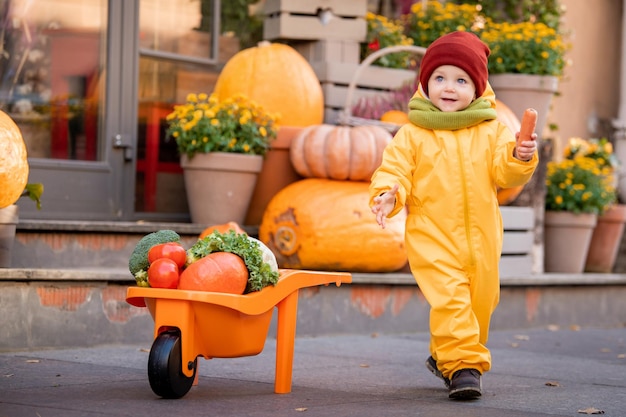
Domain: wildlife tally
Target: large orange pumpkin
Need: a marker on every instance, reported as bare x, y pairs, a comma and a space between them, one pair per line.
323, 224
338, 152
278, 78
506, 116
13, 161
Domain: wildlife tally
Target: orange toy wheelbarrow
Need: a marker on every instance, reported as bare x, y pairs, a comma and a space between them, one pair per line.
188, 324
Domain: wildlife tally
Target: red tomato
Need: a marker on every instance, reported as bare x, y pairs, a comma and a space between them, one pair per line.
170, 250
163, 273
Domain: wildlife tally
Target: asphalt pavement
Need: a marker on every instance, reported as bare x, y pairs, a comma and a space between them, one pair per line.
538, 372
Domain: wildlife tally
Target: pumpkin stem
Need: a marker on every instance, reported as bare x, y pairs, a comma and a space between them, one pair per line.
263, 44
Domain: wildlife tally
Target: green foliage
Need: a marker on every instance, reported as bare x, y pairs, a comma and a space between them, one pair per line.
541, 11
34, 192
138, 262
237, 124
235, 17
261, 273
519, 40
524, 48
599, 149
425, 25
381, 33
578, 185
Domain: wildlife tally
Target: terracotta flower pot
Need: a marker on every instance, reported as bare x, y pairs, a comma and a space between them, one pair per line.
219, 185
8, 222
567, 238
277, 173
606, 239
521, 91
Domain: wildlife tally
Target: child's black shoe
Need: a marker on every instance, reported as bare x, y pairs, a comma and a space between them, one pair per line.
431, 364
465, 385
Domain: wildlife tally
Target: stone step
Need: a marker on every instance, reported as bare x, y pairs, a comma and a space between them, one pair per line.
81, 244
82, 307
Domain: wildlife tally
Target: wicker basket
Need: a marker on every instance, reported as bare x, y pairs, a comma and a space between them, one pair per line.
345, 117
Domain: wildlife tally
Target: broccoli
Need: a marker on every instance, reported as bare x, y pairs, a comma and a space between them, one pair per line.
138, 263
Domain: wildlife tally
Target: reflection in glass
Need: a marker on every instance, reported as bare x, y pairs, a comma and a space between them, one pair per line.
51, 74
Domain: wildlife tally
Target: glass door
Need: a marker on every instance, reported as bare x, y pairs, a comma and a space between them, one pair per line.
89, 83
178, 48
53, 74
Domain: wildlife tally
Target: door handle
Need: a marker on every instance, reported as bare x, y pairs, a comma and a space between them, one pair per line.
123, 142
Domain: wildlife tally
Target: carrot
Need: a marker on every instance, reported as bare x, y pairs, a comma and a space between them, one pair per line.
529, 122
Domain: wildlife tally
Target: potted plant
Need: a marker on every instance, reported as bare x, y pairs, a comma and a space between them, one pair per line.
527, 52
9, 217
577, 192
381, 33
221, 144
607, 235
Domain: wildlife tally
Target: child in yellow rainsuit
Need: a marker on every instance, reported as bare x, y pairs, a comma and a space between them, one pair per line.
445, 167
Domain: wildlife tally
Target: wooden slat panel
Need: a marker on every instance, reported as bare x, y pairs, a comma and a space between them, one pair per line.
353, 8
515, 266
286, 26
517, 242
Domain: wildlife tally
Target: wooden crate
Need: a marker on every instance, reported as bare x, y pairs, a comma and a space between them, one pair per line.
329, 50
517, 247
335, 78
303, 19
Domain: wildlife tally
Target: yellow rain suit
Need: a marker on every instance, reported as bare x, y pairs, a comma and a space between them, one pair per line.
448, 181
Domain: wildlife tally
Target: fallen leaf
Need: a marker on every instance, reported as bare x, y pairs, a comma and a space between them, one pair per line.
605, 350
553, 384
8, 375
621, 356
144, 350
364, 365
574, 327
553, 327
32, 361
301, 409
374, 335
514, 345
591, 410
521, 337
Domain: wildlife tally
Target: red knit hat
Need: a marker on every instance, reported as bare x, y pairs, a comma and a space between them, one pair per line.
461, 49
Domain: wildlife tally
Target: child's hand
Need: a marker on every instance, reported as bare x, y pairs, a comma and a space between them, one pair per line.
526, 138
525, 149
383, 204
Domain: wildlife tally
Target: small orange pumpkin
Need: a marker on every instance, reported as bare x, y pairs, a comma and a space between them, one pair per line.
277, 77
338, 152
216, 272
398, 117
222, 228
323, 224
506, 116
13, 161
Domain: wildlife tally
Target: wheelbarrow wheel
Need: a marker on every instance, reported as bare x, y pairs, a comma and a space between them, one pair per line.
164, 367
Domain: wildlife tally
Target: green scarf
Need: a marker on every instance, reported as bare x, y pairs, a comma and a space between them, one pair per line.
424, 113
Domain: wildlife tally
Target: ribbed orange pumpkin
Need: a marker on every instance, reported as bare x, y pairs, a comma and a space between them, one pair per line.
13, 161
278, 78
338, 152
323, 224
506, 116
